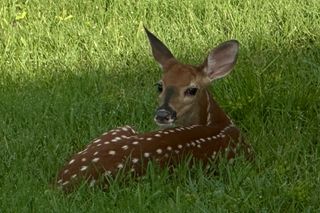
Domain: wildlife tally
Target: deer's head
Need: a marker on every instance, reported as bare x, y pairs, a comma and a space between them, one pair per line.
182, 88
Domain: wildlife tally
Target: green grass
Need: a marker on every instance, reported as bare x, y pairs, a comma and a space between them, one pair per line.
71, 69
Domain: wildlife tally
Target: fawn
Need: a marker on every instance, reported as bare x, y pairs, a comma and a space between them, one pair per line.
201, 130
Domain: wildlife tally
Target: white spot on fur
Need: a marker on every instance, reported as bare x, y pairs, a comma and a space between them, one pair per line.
65, 183
120, 166
135, 160
94, 160
180, 146
157, 135
135, 142
72, 161
146, 154
112, 152
125, 147
169, 148
83, 159
97, 141
95, 153
73, 176
159, 151
83, 168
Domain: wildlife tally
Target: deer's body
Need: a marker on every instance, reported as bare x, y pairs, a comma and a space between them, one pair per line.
204, 131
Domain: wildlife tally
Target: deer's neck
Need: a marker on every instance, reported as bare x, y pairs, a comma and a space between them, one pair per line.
207, 113
210, 113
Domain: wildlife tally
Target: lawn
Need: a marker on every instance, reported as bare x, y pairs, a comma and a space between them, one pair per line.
69, 70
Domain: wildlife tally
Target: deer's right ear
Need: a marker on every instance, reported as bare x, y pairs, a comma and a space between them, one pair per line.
221, 60
160, 52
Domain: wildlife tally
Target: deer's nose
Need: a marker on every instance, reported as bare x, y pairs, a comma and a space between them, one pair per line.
165, 116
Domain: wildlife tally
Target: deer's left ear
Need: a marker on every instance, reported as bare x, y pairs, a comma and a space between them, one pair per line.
221, 60
160, 52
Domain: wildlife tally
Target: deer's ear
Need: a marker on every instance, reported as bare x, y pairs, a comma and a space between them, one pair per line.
221, 60
160, 52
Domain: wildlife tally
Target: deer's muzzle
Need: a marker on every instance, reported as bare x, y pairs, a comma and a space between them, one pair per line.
165, 116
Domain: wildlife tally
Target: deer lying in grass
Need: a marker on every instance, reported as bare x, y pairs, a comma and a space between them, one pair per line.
202, 129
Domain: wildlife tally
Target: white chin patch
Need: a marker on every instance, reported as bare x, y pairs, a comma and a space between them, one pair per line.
165, 126
168, 124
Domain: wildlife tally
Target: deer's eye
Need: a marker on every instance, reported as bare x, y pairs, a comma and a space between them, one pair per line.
191, 91
159, 87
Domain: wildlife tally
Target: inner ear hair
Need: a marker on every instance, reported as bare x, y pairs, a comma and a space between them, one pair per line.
221, 60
